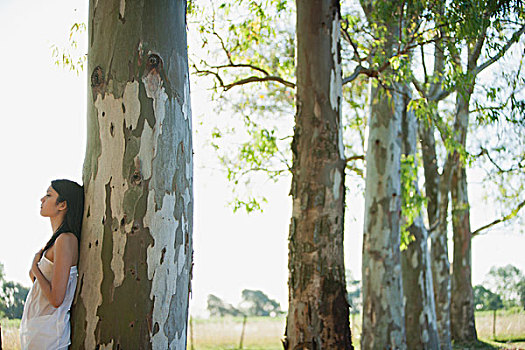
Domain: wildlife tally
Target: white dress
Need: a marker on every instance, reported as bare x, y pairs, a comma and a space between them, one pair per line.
43, 326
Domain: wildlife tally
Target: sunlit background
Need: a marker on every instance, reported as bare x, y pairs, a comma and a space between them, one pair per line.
43, 138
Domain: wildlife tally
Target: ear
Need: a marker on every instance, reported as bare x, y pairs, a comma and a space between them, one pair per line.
62, 205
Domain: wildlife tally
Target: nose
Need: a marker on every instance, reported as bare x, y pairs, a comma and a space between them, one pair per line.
42, 199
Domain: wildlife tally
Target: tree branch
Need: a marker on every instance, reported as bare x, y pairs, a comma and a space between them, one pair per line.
255, 79
485, 152
209, 72
251, 79
374, 73
357, 71
419, 88
352, 158
502, 52
507, 217
242, 65
475, 52
443, 94
348, 38
423, 63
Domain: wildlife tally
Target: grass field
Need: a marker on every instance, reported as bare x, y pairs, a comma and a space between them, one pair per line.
10, 340
264, 333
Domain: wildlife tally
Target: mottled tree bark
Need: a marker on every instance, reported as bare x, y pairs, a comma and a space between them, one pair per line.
136, 247
437, 188
420, 311
383, 311
437, 191
318, 315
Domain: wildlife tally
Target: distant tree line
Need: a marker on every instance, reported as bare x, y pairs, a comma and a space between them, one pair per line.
504, 288
12, 297
253, 303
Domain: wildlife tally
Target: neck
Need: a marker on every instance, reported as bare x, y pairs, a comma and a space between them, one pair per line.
56, 221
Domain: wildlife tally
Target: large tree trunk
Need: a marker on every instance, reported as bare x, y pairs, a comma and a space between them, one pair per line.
437, 191
383, 311
136, 247
420, 311
318, 315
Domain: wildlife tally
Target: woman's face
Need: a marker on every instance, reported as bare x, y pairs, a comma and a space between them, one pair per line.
49, 206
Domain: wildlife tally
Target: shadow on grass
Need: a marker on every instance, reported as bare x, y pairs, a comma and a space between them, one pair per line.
518, 339
499, 343
480, 344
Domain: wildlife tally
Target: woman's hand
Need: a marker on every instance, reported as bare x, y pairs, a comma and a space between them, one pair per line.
65, 256
34, 265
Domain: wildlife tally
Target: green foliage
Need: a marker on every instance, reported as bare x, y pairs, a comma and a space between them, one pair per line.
507, 281
12, 297
353, 293
217, 307
485, 300
521, 292
413, 201
249, 205
70, 57
246, 41
498, 107
355, 122
242, 43
248, 51
256, 303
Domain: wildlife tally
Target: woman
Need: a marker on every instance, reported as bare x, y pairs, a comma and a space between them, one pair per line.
45, 322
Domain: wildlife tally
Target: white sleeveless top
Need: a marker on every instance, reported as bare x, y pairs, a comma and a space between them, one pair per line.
43, 326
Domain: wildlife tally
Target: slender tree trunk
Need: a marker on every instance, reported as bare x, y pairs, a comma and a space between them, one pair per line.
437, 191
494, 325
462, 322
420, 311
136, 247
462, 300
318, 315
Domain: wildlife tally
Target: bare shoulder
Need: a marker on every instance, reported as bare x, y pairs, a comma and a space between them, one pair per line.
67, 241
66, 249
67, 238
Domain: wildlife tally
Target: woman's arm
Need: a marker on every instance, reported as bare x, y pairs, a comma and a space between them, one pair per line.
65, 255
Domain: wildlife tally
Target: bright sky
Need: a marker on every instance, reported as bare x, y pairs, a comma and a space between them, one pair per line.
43, 138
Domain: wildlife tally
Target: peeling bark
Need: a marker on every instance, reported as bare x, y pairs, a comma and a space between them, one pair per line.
383, 312
318, 315
437, 191
420, 311
136, 249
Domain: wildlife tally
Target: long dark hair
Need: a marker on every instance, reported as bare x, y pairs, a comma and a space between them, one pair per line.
73, 194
